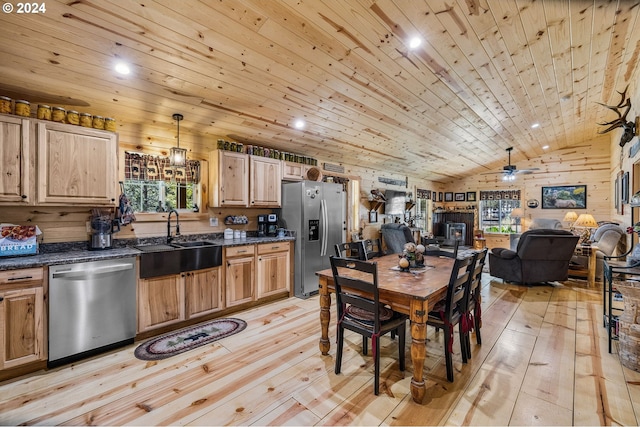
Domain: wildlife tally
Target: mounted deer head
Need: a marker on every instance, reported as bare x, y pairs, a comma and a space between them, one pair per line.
621, 121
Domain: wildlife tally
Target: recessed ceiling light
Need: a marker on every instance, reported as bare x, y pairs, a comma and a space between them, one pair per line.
545, 147
415, 42
299, 124
122, 68
535, 125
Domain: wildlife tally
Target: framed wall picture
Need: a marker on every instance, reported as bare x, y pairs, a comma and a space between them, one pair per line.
624, 188
448, 196
459, 197
440, 198
471, 196
564, 197
434, 196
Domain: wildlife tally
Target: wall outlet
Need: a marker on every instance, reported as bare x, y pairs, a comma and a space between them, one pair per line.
213, 222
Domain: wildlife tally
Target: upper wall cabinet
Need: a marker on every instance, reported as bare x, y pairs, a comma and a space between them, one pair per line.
15, 161
76, 165
266, 182
243, 180
229, 176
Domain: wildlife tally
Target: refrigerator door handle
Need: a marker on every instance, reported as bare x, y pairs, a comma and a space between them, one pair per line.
323, 214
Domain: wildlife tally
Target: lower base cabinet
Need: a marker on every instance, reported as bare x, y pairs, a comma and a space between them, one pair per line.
240, 273
203, 292
22, 317
160, 302
273, 268
172, 299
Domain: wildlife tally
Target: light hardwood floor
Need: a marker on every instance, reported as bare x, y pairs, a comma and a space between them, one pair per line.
543, 361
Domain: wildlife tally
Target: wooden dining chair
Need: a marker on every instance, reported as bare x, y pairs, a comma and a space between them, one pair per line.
442, 252
360, 310
372, 248
448, 312
475, 290
471, 302
352, 250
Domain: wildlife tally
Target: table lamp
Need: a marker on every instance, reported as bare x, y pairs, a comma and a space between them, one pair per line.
570, 218
586, 222
517, 213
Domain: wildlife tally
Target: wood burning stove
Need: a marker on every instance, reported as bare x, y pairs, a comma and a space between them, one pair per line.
455, 231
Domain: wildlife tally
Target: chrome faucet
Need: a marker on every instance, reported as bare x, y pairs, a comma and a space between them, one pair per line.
169, 238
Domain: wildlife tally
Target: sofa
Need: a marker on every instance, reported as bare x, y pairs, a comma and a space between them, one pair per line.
610, 239
395, 236
542, 255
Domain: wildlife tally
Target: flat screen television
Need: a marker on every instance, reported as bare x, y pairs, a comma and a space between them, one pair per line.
395, 203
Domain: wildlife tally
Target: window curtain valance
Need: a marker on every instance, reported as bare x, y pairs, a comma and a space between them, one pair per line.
145, 167
423, 194
500, 195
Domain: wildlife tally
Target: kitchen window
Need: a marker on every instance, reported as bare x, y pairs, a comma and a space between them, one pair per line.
153, 185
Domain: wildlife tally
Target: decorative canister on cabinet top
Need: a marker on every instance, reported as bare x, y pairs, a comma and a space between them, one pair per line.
23, 108
86, 120
73, 117
98, 122
5, 105
43, 112
58, 114
109, 124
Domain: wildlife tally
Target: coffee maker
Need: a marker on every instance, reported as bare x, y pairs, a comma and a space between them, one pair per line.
268, 225
272, 225
262, 225
102, 229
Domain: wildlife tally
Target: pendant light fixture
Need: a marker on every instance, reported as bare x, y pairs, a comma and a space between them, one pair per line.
178, 156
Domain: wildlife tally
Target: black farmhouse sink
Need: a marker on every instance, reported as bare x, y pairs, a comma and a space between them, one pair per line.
163, 260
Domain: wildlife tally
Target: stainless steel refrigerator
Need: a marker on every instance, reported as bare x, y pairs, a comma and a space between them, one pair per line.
316, 211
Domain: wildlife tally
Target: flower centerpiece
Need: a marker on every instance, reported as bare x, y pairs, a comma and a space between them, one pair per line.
412, 256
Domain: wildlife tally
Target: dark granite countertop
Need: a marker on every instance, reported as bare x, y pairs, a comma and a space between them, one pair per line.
73, 252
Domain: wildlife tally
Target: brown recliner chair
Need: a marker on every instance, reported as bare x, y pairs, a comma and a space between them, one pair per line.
542, 255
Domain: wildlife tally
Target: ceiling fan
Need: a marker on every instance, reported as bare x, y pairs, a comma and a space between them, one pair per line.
509, 171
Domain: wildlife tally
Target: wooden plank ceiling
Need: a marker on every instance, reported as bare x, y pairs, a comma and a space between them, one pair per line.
245, 70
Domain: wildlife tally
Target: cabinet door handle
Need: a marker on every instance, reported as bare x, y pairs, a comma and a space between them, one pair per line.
24, 196
20, 278
1, 299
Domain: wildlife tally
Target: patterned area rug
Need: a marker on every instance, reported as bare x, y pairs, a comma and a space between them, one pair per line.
186, 339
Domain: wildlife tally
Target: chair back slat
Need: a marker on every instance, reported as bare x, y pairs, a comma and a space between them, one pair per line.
372, 248
458, 283
441, 252
356, 283
475, 270
353, 250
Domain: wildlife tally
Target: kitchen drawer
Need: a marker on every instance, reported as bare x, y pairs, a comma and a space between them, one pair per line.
239, 250
23, 276
268, 248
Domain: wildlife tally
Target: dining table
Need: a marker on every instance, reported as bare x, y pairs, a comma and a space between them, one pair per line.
413, 292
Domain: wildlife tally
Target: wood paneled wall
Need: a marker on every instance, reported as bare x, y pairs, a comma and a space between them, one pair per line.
588, 164
594, 164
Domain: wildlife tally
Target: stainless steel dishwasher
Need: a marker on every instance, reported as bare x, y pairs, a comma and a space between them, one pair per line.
92, 308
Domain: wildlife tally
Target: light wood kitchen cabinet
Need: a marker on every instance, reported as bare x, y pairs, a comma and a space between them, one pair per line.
15, 163
266, 182
240, 273
273, 268
22, 333
229, 178
161, 301
76, 165
497, 240
203, 292
292, 171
